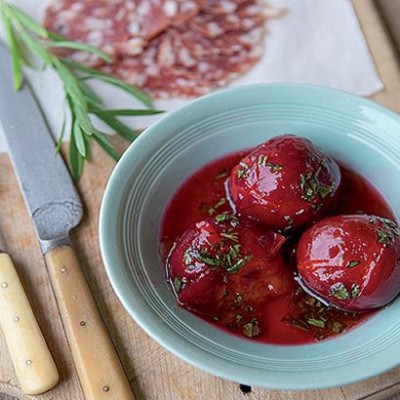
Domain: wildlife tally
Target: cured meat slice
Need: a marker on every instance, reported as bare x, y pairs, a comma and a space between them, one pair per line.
171, 48
218, 7
247, 16
183, 62
115, 26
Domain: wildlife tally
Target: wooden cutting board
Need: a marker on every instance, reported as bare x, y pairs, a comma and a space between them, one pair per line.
154, 373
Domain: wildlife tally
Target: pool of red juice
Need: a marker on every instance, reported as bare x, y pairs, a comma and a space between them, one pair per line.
285, 318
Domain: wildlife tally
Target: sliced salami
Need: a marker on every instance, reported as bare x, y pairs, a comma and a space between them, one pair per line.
182, 62
171, 48
219, 7
115, 26
247, 16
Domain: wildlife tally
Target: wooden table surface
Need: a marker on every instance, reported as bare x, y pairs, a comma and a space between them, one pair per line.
154, 373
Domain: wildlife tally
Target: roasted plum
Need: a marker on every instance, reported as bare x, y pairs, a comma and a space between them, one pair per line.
223, 269
351, 261
286, 183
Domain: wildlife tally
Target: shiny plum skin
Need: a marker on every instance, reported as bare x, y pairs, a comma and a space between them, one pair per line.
285, 183
214, 263
351, 261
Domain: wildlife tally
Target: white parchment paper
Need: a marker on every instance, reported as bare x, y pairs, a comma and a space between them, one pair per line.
318, 42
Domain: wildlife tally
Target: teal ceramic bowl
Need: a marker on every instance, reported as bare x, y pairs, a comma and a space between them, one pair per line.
358, 132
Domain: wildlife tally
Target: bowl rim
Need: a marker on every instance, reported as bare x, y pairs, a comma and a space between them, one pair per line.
107, 246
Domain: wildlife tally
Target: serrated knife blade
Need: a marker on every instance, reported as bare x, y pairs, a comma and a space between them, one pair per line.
55, 208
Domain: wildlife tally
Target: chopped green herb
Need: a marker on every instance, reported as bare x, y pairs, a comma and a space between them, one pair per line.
177, 284
187, 258
262, 160
223, 174
226, 217
220, 203
339, 291
275, 167
316, 322
337, 327
243, 170
324, 191
240, 264
355, 290
252, 329
234, 250
309, 186
206, 258
300, 325
211, 211
353, 264
383, 236
391, 224
234, 236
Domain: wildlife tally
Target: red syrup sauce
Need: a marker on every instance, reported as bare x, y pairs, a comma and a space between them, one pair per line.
292, 319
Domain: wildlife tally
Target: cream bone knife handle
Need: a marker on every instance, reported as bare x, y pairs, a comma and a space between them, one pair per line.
99, 369
33, 363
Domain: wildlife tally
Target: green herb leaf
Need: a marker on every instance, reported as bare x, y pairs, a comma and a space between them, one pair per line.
130, 112
24, 35
80, 47
337, 327
239, 265
262, 160
324, 191
209, 260
353, 264
226, 217
234, 236
103, 141
125, 131
316, 322
92, 73
339, 291
220, 203
223, 174
177, 284
26, 21
15, 54
76, 160
355, 290
79, 140
90, 95
383, 236
243, 170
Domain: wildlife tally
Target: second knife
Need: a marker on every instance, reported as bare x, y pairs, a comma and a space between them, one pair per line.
56, 209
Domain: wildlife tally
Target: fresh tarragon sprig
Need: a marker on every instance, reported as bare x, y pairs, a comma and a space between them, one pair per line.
27, 38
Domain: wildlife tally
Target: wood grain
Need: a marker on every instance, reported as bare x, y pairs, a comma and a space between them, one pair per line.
154, 373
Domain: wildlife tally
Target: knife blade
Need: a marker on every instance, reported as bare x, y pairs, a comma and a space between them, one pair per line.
56, 209
33, 363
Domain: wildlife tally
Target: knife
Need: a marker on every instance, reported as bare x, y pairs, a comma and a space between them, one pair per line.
56, 209
33, 364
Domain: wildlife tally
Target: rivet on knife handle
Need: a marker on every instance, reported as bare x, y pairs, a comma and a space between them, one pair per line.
33, 363
96, 361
